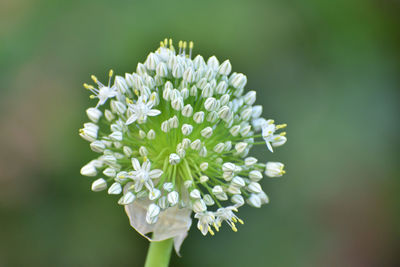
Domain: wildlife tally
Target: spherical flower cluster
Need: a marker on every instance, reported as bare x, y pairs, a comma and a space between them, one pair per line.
174, 138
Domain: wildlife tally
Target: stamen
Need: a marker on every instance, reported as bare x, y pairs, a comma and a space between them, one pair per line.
281, 126
184, 47
191, 44
94, 78
240, 221
234, 227
211, 231
180, 47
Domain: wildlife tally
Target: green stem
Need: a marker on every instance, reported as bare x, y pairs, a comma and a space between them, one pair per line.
159, 253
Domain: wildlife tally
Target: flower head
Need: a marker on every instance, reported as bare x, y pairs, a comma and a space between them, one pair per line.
174, 138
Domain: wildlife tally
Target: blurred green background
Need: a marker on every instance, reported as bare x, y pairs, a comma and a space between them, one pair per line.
330, 69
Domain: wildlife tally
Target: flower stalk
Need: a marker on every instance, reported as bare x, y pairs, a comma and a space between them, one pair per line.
159, 253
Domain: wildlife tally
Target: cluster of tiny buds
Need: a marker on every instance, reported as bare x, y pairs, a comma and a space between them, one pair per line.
178, 132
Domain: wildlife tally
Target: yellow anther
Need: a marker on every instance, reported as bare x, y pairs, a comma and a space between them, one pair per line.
136, 92
240, 221
166, 41
216, 227
184, 44
191, 44
210, 230
235, 209
110, 73
180, 44
234, 219
122, 176
161, 44
128, 101
282, 134
86, 85
92, 96
283, 171
170, 43
200, 227
234, 228
271, 122
94, 78
144, 158
81, 131
153, 97
219, 224
281, 126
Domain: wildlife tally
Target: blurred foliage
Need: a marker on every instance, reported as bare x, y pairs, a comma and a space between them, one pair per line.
330, 69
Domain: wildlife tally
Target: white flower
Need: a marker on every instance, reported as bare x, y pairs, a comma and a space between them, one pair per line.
274, 169
142, 175
191, 155
141, 109
205, 220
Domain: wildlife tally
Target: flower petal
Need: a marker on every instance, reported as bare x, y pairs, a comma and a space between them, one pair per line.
135, 164
155, 173
131, 119
153, 112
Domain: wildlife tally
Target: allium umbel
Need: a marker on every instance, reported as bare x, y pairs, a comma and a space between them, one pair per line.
174, 138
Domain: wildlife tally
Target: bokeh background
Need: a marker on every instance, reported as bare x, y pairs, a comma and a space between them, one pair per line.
330, 69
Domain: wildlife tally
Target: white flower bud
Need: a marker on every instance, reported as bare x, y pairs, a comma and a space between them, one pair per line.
195, 193
250, 161
186, 143
210, 104
196, 144
263, 197
99, 185
152, 213
193, 90
274, 169
279, 140
127, 151
174, 159
116, 136
109, 115
239, 81
177, 70
151, 61
203, 179
198, 62
187, 111
254, 187
244, 131
110, 172
173, 198
208, 200
177, 103
97, 146
187, 129
115, 189
202, 83
235, 130
228, 167
238, 181
163, 202
232, 189
185, 93
255, 175
206, 132
162, 70
89, 131
227, 176
167, 94
203, 152
240, 147
173, 122
213, 63
250, 98
225, 68
198, 117
188, 183
237, 200
257, 111
218, 148
212, 117
199, 206
142, 134
143, 151
221, 88
89, 170
151, 135
165, 126
246, 113
254, 200
228, 145
117, 107
154, 194
188, 75
121, 84
168, 186
93, 114
207, 91
224, 112
204, 166
219, 193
